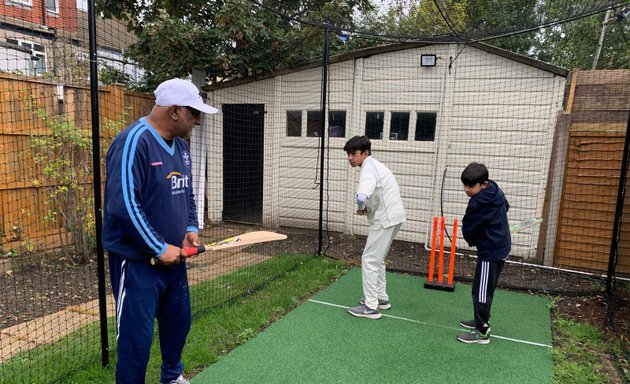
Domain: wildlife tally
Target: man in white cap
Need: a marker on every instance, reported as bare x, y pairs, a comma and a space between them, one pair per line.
149, 216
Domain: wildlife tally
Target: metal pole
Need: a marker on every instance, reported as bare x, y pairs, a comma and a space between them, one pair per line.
614, 243
96, 163
322, 134
600, 43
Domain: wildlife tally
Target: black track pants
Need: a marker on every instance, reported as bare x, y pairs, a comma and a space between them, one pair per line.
485, 282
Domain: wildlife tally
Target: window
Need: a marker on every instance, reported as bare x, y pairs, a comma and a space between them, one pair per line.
22, 2
313, 123
82, 56
294, 123
38, 55
399, 126
425, 126
82, 5
52, 6
374, 125
337, 123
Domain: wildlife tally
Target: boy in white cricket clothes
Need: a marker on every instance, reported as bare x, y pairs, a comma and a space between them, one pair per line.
378, 197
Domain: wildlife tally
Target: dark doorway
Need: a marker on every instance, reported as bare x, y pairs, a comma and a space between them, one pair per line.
243, 149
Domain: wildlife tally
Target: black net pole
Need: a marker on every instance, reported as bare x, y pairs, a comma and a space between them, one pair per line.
614, 244
96, 160
322, 141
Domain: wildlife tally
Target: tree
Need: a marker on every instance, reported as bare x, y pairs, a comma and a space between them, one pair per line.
226, 39
572, 45
452, 20
560, 32
487, 18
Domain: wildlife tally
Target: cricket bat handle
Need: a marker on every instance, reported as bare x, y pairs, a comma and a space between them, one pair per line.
192, 251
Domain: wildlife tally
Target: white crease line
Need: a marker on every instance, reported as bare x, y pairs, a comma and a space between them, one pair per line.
438, 326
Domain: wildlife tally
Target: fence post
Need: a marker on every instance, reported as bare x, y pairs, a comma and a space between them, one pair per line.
614, 242
96, 161
322, 141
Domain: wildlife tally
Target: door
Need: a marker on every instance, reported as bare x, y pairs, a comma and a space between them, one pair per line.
243, 149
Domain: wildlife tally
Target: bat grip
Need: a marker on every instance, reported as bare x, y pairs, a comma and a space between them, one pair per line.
192, 251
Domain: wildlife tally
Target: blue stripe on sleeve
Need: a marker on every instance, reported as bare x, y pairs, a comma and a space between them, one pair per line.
128, 193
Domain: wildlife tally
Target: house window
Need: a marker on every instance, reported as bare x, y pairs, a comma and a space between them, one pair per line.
313, 123
21, 2
399, 126
82, 5
374, 125
38, 55
425, 126
337, 123
52, 6
294, 123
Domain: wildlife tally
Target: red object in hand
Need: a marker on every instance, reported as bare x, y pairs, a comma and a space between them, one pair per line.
192, 251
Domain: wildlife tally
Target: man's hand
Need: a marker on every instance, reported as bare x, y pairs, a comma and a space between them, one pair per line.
191, 239
362, 212
172, 255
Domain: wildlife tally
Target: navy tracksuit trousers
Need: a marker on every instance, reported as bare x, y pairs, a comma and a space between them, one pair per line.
484, 284
143, 293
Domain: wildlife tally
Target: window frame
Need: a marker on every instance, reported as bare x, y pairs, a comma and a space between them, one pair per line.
309, 113
434, 116
391, 121
56, 10
28, 3
295, 111
365, 128
342, 112
41, 54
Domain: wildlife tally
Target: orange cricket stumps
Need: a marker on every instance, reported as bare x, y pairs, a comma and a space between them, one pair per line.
440, 284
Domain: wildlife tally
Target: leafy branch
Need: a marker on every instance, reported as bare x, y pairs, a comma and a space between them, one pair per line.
64, 153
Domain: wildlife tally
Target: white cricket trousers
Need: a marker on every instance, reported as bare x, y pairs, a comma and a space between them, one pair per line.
373, 264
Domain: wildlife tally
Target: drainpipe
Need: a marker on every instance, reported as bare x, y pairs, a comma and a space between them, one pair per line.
44, 13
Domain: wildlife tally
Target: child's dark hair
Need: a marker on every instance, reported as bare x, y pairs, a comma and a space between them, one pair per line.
474, 173
361, 143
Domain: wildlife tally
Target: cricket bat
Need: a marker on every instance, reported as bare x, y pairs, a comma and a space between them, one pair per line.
243, 239
527, 223
247, 238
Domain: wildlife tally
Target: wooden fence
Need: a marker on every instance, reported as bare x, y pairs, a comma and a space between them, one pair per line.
23, 194
599, 107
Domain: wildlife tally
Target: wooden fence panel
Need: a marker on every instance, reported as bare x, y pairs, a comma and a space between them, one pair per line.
24, 200
599, 103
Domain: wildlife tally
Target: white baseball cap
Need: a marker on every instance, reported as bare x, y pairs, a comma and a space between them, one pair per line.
182, 93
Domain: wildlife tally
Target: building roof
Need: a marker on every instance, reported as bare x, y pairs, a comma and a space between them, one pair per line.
367, 52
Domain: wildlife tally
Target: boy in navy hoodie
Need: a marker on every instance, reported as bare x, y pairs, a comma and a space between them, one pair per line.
485, 226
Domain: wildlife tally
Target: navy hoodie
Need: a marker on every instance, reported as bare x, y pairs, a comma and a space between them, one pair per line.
485, 224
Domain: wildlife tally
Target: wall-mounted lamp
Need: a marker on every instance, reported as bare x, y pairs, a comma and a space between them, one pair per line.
428, 60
